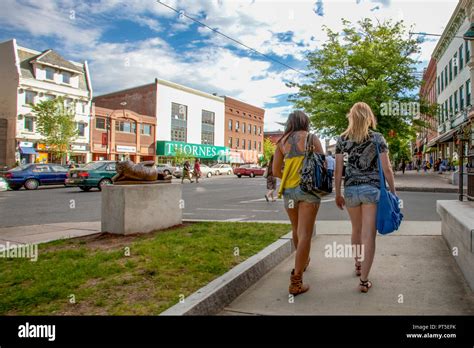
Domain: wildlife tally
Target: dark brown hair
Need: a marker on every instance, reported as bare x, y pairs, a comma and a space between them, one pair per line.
297, 121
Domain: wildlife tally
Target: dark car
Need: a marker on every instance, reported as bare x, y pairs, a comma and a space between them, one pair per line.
93, 174
251, 170
32, 176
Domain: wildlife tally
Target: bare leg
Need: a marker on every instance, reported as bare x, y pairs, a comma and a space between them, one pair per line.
293, 215
306, 217
356, 221
369, 213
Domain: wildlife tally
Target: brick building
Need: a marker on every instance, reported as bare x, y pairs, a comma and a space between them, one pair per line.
243, 131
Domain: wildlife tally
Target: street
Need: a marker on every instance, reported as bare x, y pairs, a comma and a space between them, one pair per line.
218, 198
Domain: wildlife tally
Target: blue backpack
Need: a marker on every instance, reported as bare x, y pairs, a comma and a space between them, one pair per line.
389, 216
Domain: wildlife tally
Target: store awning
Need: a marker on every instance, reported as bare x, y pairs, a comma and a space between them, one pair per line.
447, 136
28, 151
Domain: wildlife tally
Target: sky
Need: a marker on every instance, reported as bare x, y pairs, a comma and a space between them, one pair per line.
130, 42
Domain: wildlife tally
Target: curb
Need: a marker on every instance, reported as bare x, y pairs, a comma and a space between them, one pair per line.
215, 296
428, 189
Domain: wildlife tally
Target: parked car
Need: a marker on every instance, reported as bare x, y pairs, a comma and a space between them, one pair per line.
223, 169
205, 171
251, 170
32, 176
94, 174
3, 185
165, 168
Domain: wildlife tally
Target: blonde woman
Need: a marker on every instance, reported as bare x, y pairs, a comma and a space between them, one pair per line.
362, 183
300, 206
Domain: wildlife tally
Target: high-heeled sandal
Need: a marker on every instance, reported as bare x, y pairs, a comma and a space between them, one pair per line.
365, 285
296, 284
358, 268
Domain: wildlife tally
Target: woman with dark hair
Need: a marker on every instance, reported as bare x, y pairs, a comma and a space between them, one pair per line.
271, 181
301, 207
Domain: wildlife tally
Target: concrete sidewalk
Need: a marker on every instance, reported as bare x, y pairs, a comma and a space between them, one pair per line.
34, 234
413, 266
424, 182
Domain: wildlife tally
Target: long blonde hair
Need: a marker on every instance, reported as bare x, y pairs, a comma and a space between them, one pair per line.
361, 118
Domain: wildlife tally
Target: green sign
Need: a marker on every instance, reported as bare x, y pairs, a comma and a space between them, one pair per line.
168, 148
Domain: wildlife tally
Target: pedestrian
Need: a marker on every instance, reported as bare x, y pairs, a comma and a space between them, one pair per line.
301, 207
197, 169
186, 172
403, 166
418, 165
271, 181
331, 162
362, 184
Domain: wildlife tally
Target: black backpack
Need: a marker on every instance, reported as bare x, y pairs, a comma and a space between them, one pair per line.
314, 175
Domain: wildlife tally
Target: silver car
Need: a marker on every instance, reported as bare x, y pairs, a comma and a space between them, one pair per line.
165, 168
205, 171
222, 168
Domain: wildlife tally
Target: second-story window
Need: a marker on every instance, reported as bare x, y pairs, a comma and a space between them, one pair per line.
30, 97
255, 130
145, 129
250, 129
66, 77
179, 122
100, 123
49, 74
236, 126
81, 129
125, 127
207, 127
29, 123
230, 124
243, 127
468, 92
259, 130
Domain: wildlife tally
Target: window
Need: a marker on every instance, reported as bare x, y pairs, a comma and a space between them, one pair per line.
68, 103
250, 129
237, 142
255, 145
58, 169
455, 97
81, 127
255, 130
111, 167
259, 146
250, 144
49, 74
145, 129
468, 92
230, 124
207, 127
461, 62
442, 81
30, 97
461, 97
445, 116
236, 126
455, 63
468, 53
84, 108
259, 130
243, 144
125, 127
66, 77
230, 141
49, 97
42, 169
243, 127
445, 76
450, 70
100, 123
29, 123
450, 105
179, 122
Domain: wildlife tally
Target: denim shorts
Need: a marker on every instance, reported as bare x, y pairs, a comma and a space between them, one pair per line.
361, 194
296, 194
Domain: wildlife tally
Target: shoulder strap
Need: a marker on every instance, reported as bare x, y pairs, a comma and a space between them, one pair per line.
381, 176
309, 143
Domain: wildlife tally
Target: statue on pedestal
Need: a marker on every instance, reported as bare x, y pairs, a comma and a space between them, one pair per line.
144, 172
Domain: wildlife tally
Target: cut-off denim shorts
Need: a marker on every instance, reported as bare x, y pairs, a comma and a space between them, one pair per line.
361, 194
291, 196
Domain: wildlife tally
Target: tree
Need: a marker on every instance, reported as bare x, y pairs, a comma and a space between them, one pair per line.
268, 150
180, 157
369, 62
55, 123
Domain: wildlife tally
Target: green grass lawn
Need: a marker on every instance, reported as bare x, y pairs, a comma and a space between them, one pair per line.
95, 271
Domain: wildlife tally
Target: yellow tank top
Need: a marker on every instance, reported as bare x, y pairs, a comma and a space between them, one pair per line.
293, 163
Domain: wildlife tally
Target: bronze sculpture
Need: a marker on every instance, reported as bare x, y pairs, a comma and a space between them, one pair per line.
129, 172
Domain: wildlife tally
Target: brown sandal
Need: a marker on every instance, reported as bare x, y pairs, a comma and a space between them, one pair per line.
365, 285
358, 271
296, 284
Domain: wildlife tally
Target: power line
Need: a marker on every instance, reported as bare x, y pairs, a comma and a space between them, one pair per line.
182, 13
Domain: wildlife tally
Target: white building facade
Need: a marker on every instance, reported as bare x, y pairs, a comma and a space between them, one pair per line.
42, 76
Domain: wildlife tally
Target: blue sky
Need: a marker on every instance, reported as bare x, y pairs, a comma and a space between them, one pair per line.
130, 42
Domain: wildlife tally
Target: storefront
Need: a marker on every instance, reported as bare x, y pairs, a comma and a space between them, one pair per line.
27, 152
209, 154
